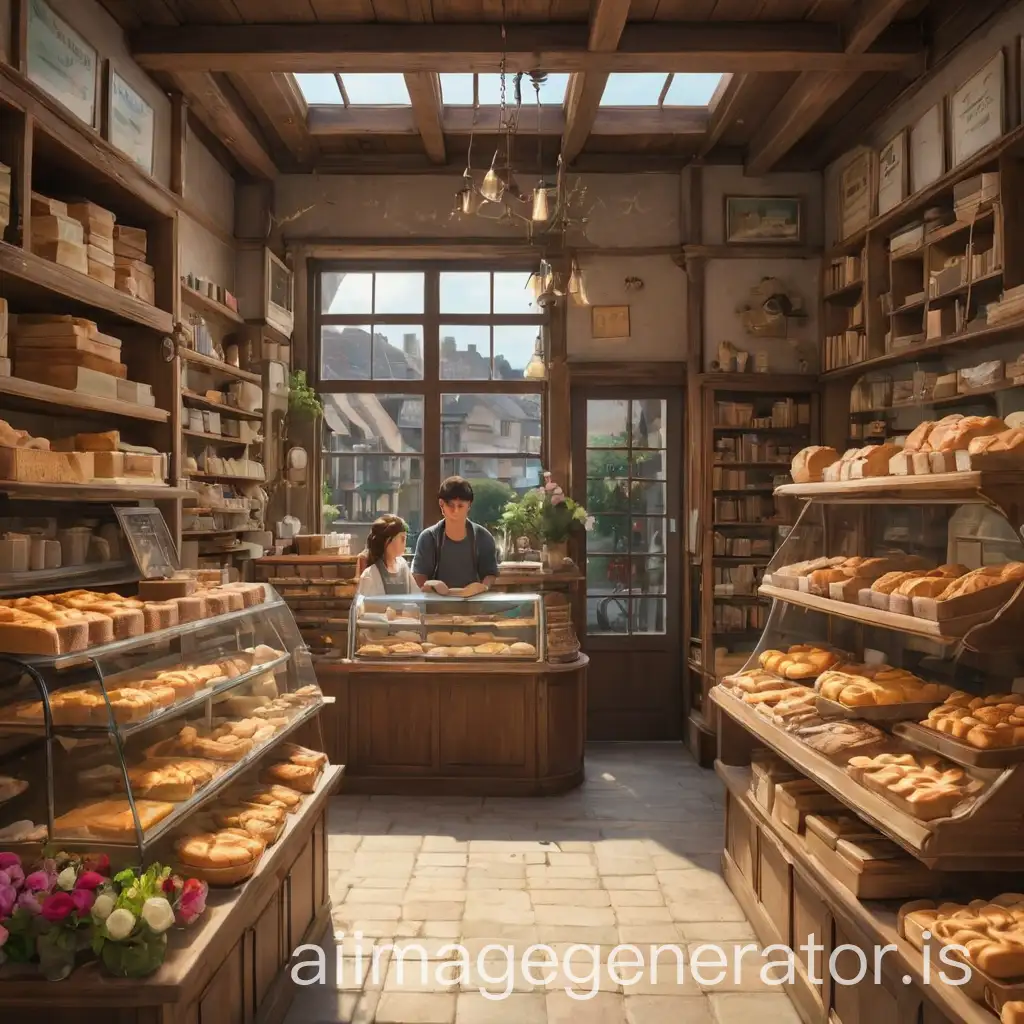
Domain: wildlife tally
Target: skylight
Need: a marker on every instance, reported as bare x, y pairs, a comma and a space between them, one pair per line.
656, 89
354, 90
457, 90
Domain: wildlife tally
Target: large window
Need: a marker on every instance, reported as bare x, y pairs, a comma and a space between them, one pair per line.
422, 374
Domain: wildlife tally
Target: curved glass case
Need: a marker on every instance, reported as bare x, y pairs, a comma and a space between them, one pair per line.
891, 669
118, 745
427, 627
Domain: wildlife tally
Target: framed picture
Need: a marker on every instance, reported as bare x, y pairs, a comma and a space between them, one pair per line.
892, 173
855, 194
927, 149
61, 62
754, 220
609, 321
977, 111
130, 122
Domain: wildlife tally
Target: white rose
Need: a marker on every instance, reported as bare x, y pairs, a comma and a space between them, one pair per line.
120, 924
157, 914
103, 906
67, 878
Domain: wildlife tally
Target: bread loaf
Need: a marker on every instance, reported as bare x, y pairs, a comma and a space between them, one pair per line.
965, 430
873, 461
809, 463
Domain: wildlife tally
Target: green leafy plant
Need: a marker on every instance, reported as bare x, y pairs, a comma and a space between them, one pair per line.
302, 399
489, 500
545, 513
328, 511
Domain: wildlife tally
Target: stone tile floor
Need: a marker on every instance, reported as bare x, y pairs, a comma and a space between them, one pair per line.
631, 857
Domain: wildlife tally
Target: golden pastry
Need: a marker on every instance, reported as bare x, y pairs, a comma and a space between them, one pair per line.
265, 822
226, 857
303, 755
301, 777
275, 795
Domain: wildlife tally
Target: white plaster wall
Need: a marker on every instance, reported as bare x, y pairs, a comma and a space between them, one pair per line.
657, 313
205, 254
209, 188
1001, 32
728, 284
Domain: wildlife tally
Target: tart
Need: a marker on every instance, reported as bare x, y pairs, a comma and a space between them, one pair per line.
301, 777
220, 858
264, 821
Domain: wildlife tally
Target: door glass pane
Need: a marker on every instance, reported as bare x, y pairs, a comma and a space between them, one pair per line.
520, 475
648, 465
363, 487
648, 423
345, 293
610, 534
398, 352
647, 534
607, 574
465, 293
647, 615
606, 423
465, 352
513, 347
345, 353
648, 574
490, 423
363, 423
647, 497
607, 614
607, 462
398, 293
607, 496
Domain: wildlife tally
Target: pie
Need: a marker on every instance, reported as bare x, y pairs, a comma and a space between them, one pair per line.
226, 857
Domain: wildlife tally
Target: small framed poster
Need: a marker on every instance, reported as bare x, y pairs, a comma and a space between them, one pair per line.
892, 173
775, 220
609, 321
927, 149
977, 110
855, 194
61, 62
129, 122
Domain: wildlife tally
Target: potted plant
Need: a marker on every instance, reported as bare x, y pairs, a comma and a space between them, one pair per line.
547, 515
303, 401
328, 512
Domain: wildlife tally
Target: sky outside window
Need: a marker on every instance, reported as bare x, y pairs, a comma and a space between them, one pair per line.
457, 90
363, 90
643, 89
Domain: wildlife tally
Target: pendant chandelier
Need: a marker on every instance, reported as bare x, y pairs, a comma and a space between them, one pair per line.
546, 212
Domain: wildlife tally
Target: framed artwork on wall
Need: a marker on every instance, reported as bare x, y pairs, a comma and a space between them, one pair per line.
760, 220
977, 110
892, 172
927, 149
855, 193
609, 321
61, 62
129, 121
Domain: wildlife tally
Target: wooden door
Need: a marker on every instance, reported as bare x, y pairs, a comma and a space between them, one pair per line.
627, 460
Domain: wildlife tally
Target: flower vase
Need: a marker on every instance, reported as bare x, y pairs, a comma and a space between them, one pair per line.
555, 554
136, 957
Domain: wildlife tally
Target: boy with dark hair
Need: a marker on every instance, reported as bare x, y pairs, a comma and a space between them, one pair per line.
456, 553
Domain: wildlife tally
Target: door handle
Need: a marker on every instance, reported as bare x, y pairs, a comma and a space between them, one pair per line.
671, 526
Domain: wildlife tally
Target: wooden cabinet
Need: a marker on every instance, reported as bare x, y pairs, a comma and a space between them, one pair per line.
269, 951
775, 886
228, 999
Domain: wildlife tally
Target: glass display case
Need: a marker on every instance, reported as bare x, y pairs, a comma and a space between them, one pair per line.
426, 627
119, 744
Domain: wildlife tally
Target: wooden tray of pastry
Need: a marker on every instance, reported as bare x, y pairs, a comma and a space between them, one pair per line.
876, 712
961, 753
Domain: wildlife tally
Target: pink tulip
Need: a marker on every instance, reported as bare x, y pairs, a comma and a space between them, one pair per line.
193, 900
57, 906
89, 880
83, 900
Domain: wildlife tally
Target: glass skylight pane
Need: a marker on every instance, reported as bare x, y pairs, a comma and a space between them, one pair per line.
457, 90
376, 90
319, 88
691, 90
627, 89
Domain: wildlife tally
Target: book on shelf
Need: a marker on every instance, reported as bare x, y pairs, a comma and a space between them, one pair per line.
786, 412
754, 508
843, 271
752, 448
730, 618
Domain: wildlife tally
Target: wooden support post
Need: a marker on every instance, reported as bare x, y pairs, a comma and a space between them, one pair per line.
179, 142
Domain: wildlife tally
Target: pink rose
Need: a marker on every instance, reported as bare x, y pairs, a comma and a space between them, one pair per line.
83, 900
4, 933
29, 901
8, 898
98, 862
89, 880
193, 900
38, 881
57, 906
7, 859
15, 874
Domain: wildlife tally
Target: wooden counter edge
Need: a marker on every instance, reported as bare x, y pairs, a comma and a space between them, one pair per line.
190, 966
343, 666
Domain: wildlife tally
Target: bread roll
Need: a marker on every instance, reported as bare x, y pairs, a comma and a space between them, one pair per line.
917, 439
809, 463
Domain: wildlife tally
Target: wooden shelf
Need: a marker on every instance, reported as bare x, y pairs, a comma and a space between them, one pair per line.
217, 365
94, 492
948, 631
44, 396
958, 399
783, 384
755, 526
962, 289
754, 465
798, 429
195, 534
743, 490
847, 291
228, 410
29, 281
209, 307
958, 227
909, 307
216, 438
225, 476
929, 487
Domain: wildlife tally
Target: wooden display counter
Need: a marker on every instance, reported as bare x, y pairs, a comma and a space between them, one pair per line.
495, 730
231, 967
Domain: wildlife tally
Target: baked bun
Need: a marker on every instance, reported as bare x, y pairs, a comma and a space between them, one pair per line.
265, 822
275, 795
522, 650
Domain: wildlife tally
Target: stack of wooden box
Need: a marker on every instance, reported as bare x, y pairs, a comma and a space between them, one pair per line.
5, 198
133, 274
56, 236
98, 228
70, 352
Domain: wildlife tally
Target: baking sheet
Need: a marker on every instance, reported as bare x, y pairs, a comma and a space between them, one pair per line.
877, 712
955, 750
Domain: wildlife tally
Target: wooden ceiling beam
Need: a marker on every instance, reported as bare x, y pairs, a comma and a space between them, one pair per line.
583, 93
277, 103
726, 108
425, 97
334, 121
212, 104
814, 92
643, 46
